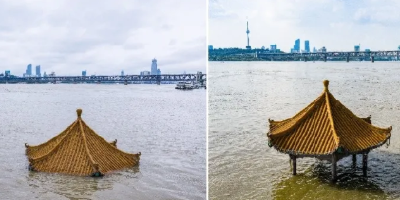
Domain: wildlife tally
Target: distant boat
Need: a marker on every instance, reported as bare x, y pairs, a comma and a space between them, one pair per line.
182, 85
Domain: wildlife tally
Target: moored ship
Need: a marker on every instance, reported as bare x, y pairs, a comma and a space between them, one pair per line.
184, 86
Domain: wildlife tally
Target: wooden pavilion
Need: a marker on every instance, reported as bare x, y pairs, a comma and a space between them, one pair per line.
326, 130
78, 150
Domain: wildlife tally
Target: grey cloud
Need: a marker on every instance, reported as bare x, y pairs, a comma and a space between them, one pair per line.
135, 46
216, 11
187, 54
172, 42
166, 27
336, 24
68, 37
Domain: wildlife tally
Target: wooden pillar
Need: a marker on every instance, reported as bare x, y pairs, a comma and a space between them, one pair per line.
305, 59
334, 160
348, 58
365, 163
372, 58
354, 161
325, 58
294, 164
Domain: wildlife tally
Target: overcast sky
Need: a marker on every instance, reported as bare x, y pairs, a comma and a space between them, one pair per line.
102, 37
335, 24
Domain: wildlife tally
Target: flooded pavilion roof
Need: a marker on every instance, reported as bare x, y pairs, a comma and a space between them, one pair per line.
78, 150
324, 127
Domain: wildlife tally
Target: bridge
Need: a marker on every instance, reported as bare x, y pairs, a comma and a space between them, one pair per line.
365, 55
127, 79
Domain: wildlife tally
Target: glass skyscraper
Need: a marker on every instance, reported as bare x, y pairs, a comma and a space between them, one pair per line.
297, 45
307, 46
29, 70
38, 71
153, 67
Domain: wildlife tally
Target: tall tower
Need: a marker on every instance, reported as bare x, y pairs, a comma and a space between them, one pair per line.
38, 71
29, 70
248, 39
153, 67
307, 46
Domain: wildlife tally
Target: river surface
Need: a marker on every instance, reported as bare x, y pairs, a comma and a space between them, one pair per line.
243, 95
167, 126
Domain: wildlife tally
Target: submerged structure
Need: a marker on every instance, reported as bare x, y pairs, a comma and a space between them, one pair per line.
326, 130
78, 150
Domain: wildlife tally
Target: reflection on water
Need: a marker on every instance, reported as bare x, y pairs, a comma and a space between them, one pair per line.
243, 95
311, 185
73, 187
351, 183
166, 125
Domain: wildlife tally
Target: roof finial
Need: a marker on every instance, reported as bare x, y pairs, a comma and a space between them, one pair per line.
79, 112
326, 83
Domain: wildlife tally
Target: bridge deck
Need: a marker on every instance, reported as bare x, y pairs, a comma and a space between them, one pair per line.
127, 78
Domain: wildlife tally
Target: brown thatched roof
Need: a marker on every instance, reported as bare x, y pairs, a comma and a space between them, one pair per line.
323, 127
78, 150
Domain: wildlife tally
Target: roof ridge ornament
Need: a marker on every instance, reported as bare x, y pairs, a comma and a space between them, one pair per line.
79, 112
326, 84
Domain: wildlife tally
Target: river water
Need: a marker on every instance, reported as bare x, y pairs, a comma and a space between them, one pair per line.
166, 125
243, 95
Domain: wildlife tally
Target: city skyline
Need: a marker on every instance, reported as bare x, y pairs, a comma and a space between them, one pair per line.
102, 37
336, 24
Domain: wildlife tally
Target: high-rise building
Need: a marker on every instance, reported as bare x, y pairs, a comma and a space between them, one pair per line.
158, 72
122, 73
153, 67
38, 71
44, 74
84, 73
356, 48
307, 46
273, 48
297, 46
29, 70
315, 50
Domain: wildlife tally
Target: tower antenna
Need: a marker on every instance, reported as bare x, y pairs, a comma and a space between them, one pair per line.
248, 39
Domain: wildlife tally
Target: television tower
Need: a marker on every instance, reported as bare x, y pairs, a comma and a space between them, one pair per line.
248, 39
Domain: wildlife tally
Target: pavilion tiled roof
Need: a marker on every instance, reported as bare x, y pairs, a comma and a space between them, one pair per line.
78, 150
324, 127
